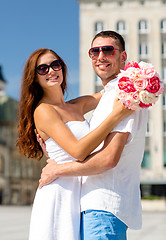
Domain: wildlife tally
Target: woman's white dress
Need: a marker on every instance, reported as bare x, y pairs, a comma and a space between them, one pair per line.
56, 208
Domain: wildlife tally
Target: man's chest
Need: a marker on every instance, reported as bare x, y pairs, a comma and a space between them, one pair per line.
103, 109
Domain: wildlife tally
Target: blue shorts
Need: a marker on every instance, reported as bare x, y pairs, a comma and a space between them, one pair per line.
101, 225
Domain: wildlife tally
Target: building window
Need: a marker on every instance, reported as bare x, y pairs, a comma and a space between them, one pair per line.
98, 27
15, 168
164, 158
120, 3
163, 25
164, 128
143, 26
121, 27
15, 196
164, 100
164, 74
149, 129
143, 50
146, 163
163, 49
2, 162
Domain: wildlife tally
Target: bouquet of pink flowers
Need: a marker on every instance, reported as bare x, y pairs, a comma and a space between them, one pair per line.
139, 85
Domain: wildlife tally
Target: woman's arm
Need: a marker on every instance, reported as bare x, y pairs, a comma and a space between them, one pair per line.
87, 103
49, 123
98, 162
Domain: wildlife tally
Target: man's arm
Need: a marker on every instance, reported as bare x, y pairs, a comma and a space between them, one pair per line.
96, 163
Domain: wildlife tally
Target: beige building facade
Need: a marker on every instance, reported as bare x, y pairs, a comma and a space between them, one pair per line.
18, 175
142, 23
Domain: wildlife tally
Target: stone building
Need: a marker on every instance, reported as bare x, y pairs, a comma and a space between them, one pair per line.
142, 23
18, 175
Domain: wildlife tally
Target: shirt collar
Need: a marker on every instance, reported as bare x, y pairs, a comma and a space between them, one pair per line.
110, 84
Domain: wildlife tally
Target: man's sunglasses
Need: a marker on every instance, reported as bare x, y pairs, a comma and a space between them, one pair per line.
43, 69
109, 51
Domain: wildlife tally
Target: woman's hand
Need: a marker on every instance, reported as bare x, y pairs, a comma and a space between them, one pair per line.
119, 108
47, 175
41, 142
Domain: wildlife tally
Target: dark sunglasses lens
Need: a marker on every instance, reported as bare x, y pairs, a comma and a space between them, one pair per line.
108, 50
93, 52
56, 65
42, 69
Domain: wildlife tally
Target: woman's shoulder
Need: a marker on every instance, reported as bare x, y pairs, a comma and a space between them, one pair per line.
81, 99
42, 106
44, 109
86, 103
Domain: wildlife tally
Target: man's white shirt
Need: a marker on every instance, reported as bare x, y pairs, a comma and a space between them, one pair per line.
118, 190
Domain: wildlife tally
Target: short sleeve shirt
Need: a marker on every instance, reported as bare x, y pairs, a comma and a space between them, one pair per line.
118, 189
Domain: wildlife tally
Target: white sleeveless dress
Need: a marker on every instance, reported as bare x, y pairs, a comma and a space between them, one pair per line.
56, 208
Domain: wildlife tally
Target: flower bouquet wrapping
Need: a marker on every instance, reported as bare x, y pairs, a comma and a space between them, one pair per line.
139, 85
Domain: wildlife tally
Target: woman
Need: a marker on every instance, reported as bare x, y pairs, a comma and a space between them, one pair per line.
56, 210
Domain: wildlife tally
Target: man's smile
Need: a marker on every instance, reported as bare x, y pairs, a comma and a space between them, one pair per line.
103, 66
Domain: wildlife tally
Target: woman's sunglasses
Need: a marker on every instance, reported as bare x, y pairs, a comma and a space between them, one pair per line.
43, 69
109, 51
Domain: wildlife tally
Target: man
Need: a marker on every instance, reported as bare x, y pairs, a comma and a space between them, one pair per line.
110, 198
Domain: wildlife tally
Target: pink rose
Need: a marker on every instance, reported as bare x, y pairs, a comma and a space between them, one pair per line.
161, 89
143, 105
126, 85
147, 70
147, 73
136, 96
140, 84
134, 106
147, 97
121, 95
153, 85
131, 73
128, 104
133, 64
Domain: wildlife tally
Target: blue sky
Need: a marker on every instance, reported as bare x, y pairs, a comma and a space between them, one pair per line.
26, 25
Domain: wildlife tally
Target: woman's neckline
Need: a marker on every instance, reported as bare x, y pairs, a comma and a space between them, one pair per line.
72, 121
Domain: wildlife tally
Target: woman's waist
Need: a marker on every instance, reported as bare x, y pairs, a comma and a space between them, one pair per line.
61, 158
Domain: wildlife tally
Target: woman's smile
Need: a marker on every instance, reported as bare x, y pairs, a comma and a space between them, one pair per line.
52, 78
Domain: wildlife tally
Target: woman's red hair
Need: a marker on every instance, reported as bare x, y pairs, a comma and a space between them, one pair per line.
31, 94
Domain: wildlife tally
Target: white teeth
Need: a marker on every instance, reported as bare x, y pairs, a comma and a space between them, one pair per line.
102, 66
52, 78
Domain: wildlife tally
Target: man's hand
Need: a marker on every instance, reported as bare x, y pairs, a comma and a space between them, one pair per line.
47, 175
41, 142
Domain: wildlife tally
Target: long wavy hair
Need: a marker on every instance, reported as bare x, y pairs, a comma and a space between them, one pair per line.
31, 94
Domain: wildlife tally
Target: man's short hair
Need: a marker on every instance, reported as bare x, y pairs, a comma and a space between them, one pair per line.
112, 34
